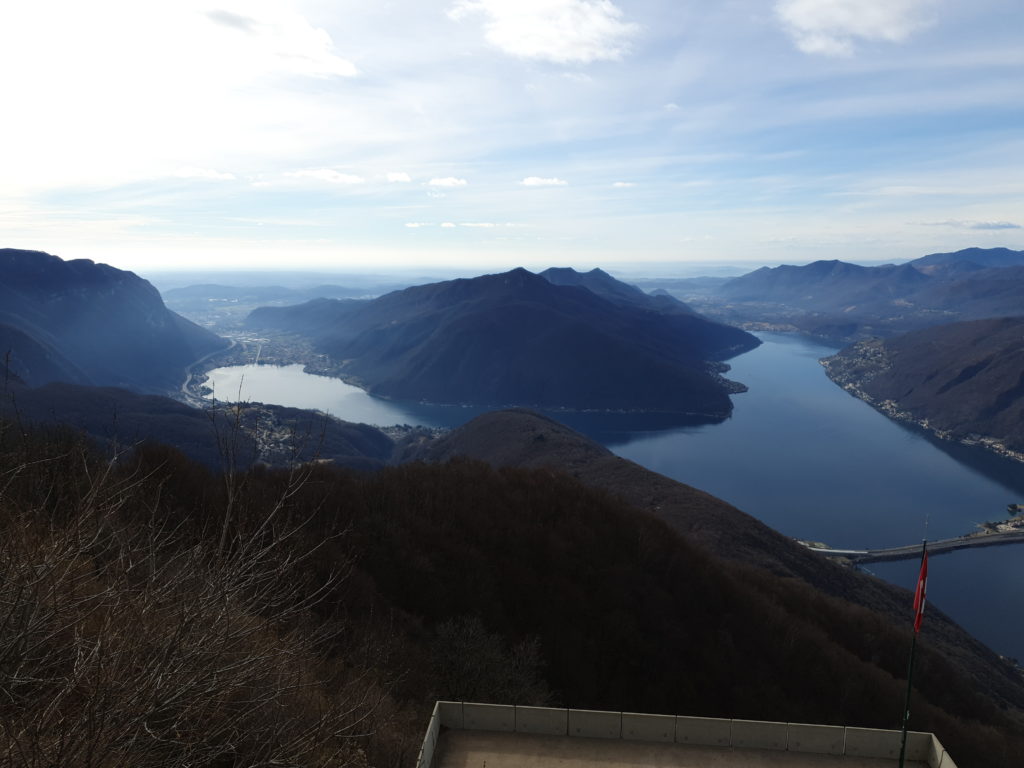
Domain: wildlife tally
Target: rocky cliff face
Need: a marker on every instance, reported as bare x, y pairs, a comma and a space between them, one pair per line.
90, 323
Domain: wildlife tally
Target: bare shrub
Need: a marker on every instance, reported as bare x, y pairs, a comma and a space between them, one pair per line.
128, 644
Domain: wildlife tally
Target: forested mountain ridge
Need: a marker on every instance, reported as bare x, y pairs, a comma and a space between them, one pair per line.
517, 339
962, 380
524, 439
89, 323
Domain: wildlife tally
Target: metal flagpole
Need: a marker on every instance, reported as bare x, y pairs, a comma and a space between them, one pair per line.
919, 601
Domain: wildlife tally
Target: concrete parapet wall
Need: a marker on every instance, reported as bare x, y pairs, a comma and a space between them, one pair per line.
698, 731
820, 739
543, 720
595, 724
489, 717
426, 757
450, 713
637, 727
705, 731
919, 745
759, 734
870, 742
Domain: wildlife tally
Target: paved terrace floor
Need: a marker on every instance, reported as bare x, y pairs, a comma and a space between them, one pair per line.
489, 749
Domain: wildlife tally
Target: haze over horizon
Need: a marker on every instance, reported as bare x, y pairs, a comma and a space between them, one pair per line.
496, 133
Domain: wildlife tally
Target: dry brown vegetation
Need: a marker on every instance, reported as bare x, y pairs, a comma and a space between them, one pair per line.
128, 639
153, 613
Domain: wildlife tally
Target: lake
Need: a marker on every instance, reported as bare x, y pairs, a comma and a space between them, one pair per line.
798, 453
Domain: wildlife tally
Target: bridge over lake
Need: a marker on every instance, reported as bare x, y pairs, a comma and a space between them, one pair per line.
913, 551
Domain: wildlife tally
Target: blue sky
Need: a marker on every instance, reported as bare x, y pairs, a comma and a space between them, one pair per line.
337, 134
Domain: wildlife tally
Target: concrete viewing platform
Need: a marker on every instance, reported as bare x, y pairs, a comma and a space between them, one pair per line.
465, 735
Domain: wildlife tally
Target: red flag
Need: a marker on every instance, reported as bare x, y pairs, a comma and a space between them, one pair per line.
919, 594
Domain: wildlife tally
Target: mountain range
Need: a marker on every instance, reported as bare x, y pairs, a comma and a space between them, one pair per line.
87, 323
843, 302
597, 582
517, 338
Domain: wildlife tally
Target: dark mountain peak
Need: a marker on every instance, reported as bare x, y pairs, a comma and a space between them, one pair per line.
41, 274
600, 283
832, 267
515, 338
570, 276
552, 274
521, 272
518, 281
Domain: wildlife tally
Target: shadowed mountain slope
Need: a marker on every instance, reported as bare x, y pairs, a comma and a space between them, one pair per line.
459, 581
92, 324
965, 379
515, 338
520, 438
244, 435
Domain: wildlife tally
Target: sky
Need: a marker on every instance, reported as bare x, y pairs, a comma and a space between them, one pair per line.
354, 135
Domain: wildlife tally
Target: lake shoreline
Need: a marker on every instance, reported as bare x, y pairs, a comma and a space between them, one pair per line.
890, 409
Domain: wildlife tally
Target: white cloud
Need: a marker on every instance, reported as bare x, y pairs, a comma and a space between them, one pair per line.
447, 181
481, 224
623, 184
418, 224
448, 224
160, 86
832, 27
189, 172
560, 31
327, 174
399, 177
274, 37
537, 181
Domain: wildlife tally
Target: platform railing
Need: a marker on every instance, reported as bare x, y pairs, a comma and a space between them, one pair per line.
679, 729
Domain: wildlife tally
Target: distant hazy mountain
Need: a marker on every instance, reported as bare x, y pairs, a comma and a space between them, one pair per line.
90, 323
195, 298
517, 339
981, 257
965, 379
846, 302
825, 284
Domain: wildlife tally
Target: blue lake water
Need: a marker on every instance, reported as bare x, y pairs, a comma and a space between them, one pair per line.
798, 453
